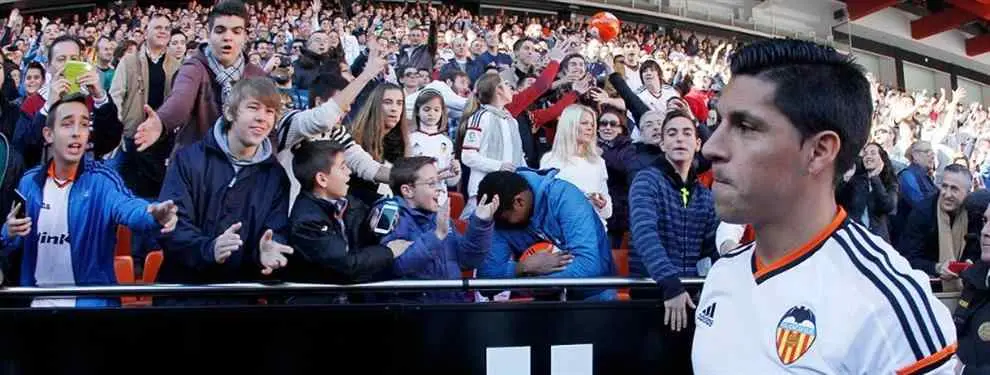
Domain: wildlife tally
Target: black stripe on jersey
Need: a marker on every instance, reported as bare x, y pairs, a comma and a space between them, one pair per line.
739, 250
886, 293
873, 247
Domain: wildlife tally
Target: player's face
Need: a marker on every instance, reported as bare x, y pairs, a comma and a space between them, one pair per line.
756, 155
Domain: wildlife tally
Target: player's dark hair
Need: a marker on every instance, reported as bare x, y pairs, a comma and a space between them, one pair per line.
233, 8
312, 157
817, 88
506, 185
405, 171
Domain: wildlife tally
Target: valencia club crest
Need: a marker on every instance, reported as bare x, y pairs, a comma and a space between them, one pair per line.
795, 334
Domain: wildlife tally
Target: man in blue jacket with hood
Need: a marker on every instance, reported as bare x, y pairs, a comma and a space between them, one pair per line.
67, 225
437, 251
232, 194
536, 207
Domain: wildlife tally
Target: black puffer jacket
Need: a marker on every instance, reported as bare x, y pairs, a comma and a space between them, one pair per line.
972, 318
328, 252
310, 65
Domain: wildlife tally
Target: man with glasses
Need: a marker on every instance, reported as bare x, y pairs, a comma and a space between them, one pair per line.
410, 80
437, 251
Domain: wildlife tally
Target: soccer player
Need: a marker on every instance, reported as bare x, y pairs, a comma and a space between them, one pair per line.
815, 292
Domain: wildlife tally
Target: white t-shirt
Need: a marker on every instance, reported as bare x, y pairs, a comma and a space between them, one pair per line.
658, 103
655, 103
844, 303
54, 261
437, 146
632, 78
589, 177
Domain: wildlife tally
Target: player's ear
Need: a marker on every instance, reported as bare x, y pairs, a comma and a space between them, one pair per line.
822, 150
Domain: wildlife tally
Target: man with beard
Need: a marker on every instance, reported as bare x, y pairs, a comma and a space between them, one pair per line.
536, 207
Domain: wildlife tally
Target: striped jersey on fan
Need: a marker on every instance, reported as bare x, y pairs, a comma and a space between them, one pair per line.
844, 303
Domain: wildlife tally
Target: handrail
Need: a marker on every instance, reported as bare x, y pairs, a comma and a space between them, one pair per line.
255, 288
299, 288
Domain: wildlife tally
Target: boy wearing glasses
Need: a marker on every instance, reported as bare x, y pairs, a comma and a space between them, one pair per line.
437, 251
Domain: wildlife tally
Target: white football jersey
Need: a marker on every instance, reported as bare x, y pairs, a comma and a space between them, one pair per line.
844, 303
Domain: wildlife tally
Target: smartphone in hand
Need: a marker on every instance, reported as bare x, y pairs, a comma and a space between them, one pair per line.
19, 198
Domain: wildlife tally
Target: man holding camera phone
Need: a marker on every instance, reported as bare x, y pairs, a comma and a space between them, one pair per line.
73, 244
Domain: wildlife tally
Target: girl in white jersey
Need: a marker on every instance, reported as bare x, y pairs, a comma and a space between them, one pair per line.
430, 137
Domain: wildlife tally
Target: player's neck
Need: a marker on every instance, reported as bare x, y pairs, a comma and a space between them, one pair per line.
797, 227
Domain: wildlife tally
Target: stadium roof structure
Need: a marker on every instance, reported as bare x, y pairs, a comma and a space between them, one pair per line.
936, 17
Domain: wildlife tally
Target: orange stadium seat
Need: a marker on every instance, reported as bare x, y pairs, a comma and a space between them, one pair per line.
456, 204
123, 267
123, 241
152, 262
621, 259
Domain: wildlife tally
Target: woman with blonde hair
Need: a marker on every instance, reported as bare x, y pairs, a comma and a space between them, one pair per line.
576, 154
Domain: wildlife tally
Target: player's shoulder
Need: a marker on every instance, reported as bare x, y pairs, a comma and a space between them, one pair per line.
736, 260
868, 255
746, 248
891, 289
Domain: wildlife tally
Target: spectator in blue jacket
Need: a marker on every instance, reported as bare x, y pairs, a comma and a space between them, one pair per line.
437, 251
537, 207
671, 215
67, 231
915, 183
232, 194
673, 222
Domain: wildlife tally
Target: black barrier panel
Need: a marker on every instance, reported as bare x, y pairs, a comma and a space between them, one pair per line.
355, 339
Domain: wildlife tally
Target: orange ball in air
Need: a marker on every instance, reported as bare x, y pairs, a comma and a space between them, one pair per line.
607, 25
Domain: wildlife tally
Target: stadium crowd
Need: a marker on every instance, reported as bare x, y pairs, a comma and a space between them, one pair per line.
323, 142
